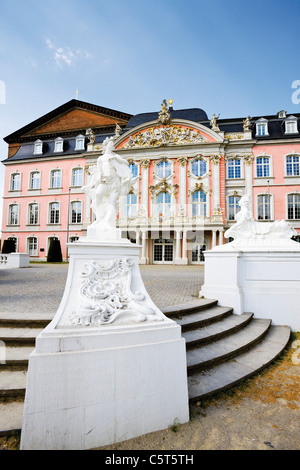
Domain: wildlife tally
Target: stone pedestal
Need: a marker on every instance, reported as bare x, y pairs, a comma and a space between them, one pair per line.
110, 366
263, 278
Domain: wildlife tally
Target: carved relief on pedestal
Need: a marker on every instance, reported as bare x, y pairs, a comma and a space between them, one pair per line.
106, 296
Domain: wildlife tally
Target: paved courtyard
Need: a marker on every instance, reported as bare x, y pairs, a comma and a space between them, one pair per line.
38, 290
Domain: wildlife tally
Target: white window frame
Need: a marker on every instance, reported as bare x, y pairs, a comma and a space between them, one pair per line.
264, 123
130, 210
38, 147
49, 213
31, 179
163, 163
37, 245
80, 142
51, 178
9, 218
59, 145
28, 213
165, 213
293, 193
291, 120
228, 161
71, 212
199, 204
73, 175
286, 163
271, 196
236, 211
12, 176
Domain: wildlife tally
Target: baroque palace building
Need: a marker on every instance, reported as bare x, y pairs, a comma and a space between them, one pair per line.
189, 175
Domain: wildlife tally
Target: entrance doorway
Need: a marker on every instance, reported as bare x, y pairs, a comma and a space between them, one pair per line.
197, 253
163, 251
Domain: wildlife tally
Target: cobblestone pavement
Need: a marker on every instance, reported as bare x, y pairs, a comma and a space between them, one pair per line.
39, 289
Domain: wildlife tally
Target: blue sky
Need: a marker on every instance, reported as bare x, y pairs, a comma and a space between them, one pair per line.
232, 57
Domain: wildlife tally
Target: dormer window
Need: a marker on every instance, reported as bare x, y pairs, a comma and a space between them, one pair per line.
80, 141
281, 114
38, 147
59, 145
262, 127
291, 125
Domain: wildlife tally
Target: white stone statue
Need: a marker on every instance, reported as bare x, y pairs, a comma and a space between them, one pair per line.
247, 229
110, 179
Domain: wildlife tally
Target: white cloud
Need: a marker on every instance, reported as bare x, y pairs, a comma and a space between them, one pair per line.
65, 55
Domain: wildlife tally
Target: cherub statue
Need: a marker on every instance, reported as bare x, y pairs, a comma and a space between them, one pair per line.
110, 179
247, 123
213, 122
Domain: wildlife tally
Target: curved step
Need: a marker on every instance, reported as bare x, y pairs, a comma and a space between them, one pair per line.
225, 348
19, 336
13, 384
203, 317
16, 358
183, 309
216, 330
228, 374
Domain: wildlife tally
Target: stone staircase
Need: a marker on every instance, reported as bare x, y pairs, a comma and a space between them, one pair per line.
222, 349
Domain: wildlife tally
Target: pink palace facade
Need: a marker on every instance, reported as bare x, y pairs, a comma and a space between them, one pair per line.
190, 172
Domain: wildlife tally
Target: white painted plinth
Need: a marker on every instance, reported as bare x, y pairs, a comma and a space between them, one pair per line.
259, 279
90, 386
14, 260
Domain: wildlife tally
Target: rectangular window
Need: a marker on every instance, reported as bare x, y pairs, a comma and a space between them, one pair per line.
292, 165
234, 168
76, 212
77, 179
264, 207
35, 180
233, 206
261, 129
163, 201
290, 127
33, 214
54, 213
199, 204
56, 179
13, 215
130, 208
262, 167
15, 182
293, 206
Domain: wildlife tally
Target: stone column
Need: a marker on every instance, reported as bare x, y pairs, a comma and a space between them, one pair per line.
178, 247
214, 238
248, 159
215, 159
145, 184
221, 237
184, 248
182, 183
143, 259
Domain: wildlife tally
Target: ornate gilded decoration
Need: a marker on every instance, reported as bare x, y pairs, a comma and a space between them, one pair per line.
247, 123
145, 163
215, 159
182, 161
164, 115
248, 159
164, 187
159, 136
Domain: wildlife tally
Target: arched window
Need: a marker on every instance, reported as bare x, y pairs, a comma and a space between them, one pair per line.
13, 214
15, 182
199, 204
163, 170
199, 167
33, 214
130, 206
163, 201
55, 180
32, 246
77, 177
35, 180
